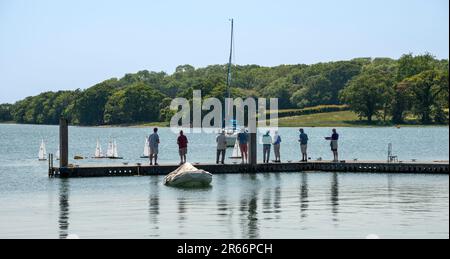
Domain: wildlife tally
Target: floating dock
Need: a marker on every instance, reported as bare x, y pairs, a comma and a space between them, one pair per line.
350, 167
65, 170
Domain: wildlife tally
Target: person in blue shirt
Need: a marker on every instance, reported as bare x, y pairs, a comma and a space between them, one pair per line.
154, 144
303, 139
243, 145
276, 147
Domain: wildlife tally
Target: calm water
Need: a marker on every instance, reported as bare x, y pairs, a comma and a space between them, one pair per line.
286, 205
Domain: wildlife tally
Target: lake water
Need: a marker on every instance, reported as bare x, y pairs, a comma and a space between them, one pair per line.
278, 205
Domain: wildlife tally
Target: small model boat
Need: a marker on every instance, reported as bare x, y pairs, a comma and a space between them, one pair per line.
42, 155
236, 151
112, 150
98, 151
146, 153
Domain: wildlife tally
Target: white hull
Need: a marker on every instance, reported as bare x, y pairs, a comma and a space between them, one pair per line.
188, 176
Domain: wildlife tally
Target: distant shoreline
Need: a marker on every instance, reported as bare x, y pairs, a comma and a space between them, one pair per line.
160, 125
341, 119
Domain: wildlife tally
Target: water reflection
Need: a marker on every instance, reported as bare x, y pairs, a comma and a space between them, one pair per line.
267, 201
253, 231
277, 196
153, 205
182, 210
304, 202
224, 211
335, 196
390, 184
63, 208
249, 209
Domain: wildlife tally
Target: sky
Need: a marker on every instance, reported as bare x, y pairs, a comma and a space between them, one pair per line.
51, 45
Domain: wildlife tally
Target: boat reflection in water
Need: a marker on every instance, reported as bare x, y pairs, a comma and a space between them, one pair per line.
250, 206
64, 189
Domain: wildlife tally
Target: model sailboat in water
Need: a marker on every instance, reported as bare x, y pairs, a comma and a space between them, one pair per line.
112, 152
236, 151
146, 153
42, 155
98, 151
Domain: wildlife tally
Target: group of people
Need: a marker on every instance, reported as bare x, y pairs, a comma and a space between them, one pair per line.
243, 139
153, 141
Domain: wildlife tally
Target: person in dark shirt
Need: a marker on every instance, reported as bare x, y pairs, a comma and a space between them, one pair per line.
303, 139
182, 145
334, 145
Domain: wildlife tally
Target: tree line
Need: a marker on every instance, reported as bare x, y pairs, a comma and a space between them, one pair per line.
383, 88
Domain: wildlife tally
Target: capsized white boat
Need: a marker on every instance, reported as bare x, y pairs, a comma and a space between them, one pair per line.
188, 176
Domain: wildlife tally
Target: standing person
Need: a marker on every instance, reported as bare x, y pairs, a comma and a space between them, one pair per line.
267, 143
303, 139
243, 145
221, 147
182, 142
153, 141
334, 145
276, 147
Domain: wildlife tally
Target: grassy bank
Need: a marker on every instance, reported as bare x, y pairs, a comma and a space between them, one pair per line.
341, 119
329, 119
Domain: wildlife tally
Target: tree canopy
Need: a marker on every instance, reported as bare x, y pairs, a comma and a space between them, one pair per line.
379, 87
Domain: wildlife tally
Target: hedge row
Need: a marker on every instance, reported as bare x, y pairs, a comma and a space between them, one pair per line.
312, 110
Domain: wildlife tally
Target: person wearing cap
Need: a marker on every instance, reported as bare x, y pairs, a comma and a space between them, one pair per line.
334, 144
303, 139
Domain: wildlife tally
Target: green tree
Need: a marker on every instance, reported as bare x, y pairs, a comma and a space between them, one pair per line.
401, 102
279, 89
409, 65
320, 84
426, 89
136, 103
89, 108
5, 112
370, 92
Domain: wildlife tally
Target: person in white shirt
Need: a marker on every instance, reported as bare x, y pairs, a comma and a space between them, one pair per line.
267, 143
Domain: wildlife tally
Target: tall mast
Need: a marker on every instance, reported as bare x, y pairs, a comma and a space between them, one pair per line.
229, 63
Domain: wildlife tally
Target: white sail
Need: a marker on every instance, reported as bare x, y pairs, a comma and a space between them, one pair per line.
42, 151
115, 153
146, 148
110, 151
98, 150
57, 154
236, 150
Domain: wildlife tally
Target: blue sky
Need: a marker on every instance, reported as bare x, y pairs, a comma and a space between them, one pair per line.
50, 45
